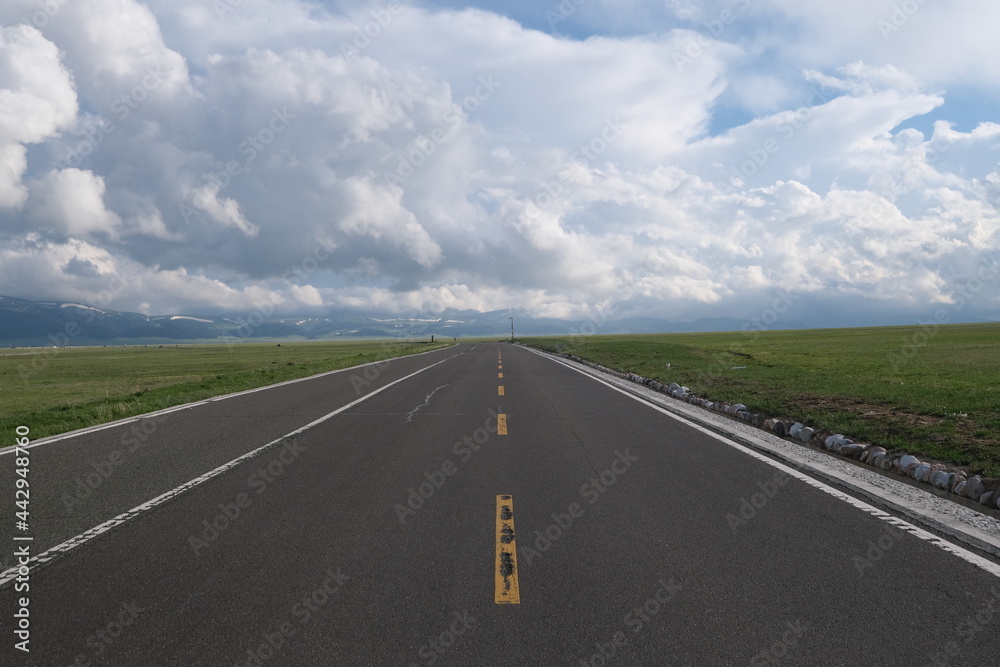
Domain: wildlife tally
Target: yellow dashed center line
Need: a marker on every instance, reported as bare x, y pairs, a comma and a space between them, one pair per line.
506, 589
500, 390
501, 424
499, 375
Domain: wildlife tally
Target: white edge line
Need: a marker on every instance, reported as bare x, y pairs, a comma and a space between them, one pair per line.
966, 555
61, 549
176, 408
981, 539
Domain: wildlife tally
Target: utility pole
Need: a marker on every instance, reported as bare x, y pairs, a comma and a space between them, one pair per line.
511, 329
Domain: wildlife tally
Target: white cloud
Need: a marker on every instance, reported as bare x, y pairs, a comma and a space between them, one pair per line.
459, 159
72, 201
37, 100
118, 44
377, 213
223, 210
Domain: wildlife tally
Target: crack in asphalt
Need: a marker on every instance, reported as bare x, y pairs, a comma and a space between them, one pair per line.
427, 400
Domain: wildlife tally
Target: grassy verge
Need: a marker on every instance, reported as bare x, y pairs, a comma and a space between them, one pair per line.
934, 393
56, 390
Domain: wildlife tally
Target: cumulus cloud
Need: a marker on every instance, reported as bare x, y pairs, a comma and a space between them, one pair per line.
72, 201
689, 160
37, 100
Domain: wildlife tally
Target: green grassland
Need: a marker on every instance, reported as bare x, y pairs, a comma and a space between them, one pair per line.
55, 390
932, 392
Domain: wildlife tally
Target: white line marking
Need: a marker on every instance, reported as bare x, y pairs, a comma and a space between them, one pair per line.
149, 415
61, 549
945, 545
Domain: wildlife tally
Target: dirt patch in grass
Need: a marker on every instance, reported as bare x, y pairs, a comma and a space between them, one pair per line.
948, 440
861, 408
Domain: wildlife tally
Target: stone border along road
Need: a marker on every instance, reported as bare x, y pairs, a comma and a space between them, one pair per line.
970, 527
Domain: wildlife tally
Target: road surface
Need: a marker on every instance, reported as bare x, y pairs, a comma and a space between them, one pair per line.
478, 505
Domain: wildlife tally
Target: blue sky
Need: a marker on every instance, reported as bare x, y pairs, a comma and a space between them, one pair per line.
675, 159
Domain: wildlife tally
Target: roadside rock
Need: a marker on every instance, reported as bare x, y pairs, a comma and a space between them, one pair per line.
907, 463
879, 458
974, 488
853, 449
942, 479
836, 442
959, 479
986, 492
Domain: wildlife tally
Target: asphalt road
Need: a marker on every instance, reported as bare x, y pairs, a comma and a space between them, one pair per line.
372, 538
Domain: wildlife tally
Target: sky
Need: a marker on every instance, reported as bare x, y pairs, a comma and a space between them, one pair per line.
679, 159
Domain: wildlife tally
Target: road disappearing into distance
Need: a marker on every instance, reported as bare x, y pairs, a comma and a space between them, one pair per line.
482, 504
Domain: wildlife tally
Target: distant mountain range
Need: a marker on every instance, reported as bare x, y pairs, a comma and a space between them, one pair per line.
45, 323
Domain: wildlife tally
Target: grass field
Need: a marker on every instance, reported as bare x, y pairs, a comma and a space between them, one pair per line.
934, 392
61, 389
